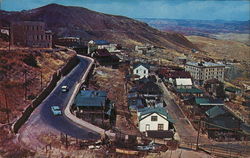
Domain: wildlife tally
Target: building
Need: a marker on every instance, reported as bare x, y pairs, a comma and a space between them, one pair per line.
203, 71
68, 41
222, 124
142, 70
185, 83
93, 106
30, 34
154, 119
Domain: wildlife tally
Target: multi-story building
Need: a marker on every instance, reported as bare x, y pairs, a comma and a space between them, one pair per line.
203, 71
30, 34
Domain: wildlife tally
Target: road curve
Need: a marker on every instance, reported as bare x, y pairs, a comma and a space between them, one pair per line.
62, 123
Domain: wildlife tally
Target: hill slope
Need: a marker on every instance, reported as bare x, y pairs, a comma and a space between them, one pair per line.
81, 22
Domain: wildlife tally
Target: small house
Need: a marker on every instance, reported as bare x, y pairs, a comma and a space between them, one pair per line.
142, 70
154, 119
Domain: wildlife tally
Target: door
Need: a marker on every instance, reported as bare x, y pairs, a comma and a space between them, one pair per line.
147, 127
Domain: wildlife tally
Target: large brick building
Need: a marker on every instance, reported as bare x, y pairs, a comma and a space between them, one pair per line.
30, 34
204, 71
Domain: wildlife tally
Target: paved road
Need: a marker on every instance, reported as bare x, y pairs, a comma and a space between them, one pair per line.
44, 115
182, 126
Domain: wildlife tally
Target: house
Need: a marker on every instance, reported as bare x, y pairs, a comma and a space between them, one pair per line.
185, 83
93, 105
222, 124
206, 103
189, 91
135, 104
142, 70
30, 34
170, 74
154, 119
203, 71
104, 57
68, 41
97, 44
215, 88
232, 92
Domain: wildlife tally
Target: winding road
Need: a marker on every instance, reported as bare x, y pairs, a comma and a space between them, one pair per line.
43, 115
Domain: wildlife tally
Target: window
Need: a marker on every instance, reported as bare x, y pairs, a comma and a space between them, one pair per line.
160, 127
144, 71
137, 71
153, 118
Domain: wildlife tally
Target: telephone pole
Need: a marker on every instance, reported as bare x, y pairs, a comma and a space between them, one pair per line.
198, 135
6, 107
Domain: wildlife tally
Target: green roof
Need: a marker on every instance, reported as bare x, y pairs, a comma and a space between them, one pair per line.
91, 98
192, 90
215, 111
232, 89
208, 101
150, 110
202, 101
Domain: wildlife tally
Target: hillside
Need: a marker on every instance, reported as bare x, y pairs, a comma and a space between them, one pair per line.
87, 24
224, 49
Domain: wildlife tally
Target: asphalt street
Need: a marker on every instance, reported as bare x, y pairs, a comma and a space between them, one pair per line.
62, 123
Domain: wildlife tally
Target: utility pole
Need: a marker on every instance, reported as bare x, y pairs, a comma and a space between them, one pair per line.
41, 75
9, 36
6, 108
198, 135
25, 84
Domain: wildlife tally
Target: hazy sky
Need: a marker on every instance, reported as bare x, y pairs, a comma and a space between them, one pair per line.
172, 9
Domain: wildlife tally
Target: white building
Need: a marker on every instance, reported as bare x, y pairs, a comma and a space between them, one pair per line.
142, 70
154, 119
204, 71
102, 44
185, 83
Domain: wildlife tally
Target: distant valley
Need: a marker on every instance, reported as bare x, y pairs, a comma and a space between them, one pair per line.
218, 29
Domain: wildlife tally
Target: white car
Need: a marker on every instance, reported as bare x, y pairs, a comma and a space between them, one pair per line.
65, 89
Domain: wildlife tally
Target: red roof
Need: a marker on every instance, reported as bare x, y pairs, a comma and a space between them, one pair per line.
102, 53
167, 73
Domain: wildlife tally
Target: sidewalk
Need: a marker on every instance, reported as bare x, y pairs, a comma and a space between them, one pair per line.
72, 117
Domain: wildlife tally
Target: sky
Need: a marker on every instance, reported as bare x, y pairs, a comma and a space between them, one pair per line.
171, 9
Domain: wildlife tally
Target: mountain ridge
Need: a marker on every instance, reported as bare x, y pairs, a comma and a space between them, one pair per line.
88, 24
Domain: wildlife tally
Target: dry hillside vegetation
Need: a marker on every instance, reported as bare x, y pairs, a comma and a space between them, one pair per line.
222, 49
13, 67
112, 81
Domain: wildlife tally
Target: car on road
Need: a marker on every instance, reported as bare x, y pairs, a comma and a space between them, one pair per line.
65, 88
56, 110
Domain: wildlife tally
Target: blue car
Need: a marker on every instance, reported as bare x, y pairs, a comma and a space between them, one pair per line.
56, 110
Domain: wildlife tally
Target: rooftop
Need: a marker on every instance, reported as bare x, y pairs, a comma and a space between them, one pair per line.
101, 42
208, 101
158, 110
215, 111
90, 98
232, 89
184, 81
204, 64
192, 90
140, 64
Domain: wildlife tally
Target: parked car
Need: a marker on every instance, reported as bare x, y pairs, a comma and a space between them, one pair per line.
56, 110
65, 88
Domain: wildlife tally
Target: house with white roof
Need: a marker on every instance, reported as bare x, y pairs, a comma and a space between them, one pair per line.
183, 83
